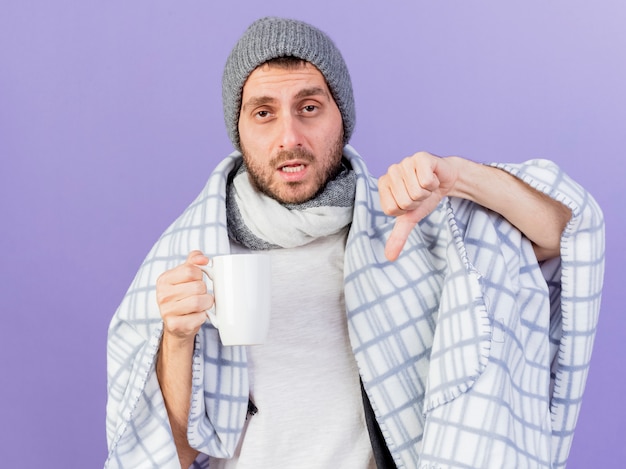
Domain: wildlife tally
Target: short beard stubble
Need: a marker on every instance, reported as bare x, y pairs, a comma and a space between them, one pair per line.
263, 184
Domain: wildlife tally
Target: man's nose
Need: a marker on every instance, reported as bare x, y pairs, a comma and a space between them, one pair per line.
290, 133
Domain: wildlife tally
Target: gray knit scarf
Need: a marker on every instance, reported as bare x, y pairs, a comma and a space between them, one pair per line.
259, 222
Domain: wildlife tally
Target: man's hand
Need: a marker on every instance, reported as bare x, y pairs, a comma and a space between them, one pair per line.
411, 190
183, 298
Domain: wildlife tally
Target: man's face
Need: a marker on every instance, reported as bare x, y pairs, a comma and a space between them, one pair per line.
291, 132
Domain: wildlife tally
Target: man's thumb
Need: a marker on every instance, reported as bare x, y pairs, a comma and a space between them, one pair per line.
196, 257
400, 233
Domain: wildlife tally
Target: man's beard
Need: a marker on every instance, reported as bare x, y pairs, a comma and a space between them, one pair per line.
263, 182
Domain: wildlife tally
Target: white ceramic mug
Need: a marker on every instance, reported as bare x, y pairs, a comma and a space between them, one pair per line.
242, 291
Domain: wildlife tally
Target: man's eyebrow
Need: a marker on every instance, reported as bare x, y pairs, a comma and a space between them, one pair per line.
257, 101
313, 91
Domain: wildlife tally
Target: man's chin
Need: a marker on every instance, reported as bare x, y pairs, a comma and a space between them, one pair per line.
293, 199
292, 194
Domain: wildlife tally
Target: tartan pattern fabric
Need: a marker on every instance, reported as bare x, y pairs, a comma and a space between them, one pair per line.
471, 353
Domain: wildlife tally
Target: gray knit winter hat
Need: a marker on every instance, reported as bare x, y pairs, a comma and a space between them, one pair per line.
269, 38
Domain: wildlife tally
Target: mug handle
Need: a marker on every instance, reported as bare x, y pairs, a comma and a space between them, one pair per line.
208, 270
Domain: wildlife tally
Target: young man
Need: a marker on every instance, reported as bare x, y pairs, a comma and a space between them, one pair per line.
413, 324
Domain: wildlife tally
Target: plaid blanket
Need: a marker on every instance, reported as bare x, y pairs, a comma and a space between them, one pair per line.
472, 354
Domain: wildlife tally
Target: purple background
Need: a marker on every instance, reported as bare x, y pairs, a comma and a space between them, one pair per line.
110, 121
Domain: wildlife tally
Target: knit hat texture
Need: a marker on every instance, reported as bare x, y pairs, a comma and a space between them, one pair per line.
272, 37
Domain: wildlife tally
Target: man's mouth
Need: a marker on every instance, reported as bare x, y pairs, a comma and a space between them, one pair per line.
292, 168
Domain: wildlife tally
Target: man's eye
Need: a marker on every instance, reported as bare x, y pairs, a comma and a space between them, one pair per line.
263, 113
309, 108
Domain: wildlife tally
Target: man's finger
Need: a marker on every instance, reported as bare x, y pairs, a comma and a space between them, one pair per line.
400, 233
196, 257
